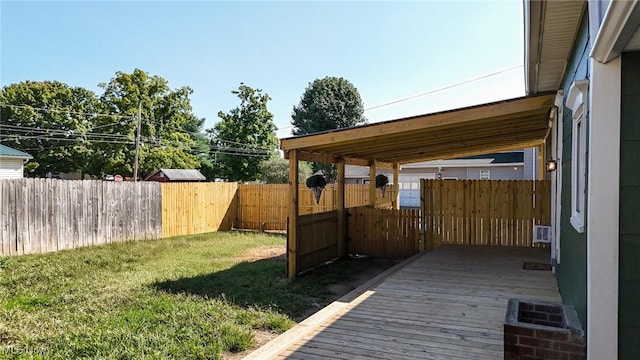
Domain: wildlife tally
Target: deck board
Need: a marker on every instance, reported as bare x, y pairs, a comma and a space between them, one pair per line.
449, 303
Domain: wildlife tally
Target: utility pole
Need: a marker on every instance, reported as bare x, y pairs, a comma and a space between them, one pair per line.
135, 163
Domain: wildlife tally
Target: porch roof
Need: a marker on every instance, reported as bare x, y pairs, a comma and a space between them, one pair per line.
499, 126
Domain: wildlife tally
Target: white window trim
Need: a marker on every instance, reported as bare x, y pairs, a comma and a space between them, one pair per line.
576, 100
487, 177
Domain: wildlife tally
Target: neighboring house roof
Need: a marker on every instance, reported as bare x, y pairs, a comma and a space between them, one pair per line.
181, 174
516, 157
504, 158
355, 171
6, 151
499, 158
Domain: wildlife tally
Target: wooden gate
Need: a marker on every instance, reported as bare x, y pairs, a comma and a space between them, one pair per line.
320, 241
482, 212
387, 233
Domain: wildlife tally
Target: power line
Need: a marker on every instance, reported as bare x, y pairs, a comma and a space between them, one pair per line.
48, 110
45, 131
247, 146
107, 125
51, 134
214, 147
442, 88
49, 138
43, 148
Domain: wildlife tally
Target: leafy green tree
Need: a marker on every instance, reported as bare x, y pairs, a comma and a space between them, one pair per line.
276, 171
327, 104
244, 137
168, 125
50, 121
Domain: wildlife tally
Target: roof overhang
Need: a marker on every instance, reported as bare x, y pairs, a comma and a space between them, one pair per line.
506, 125
550, 31
23, 157
619, 31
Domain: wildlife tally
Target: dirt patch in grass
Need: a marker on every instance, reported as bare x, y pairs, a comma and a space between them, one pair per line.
260, 337
360, 271
363, 270
267, 252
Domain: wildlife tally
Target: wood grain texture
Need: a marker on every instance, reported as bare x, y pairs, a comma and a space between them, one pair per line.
387, 233
449, 303
510, 124
196, 208
483, 212
46, 215
265, 206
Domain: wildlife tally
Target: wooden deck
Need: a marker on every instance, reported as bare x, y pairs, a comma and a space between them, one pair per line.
449, 303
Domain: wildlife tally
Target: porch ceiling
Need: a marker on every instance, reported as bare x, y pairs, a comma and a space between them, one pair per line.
505, 125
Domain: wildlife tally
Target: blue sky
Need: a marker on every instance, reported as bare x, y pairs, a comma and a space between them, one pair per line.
388, 50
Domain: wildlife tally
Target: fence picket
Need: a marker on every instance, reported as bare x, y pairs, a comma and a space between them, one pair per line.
495, 212
45, 215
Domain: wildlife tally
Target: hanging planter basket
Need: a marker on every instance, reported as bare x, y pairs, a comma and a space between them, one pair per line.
381, 183
316, 183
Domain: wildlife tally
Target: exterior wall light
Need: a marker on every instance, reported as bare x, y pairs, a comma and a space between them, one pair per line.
551, 165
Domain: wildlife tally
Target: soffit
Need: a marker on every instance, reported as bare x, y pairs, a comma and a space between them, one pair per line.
550, 31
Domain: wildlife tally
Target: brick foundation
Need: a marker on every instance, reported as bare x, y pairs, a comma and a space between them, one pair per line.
540, 331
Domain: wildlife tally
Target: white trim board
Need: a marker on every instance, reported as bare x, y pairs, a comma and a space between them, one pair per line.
602, 218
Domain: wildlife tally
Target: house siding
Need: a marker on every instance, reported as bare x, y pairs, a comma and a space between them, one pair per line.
571, 272
530, 161
11, 168
629, 267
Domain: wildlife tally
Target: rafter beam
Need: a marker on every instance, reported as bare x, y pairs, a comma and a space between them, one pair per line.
334, 159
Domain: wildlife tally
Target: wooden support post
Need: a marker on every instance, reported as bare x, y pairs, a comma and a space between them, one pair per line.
372, 184
423, 217
342, 236
292, 228
396, 186
541, 164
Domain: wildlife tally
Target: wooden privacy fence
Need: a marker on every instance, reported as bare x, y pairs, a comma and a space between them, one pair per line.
195, 208
46, 215
482, 212
387, 233
318, 239
264, 207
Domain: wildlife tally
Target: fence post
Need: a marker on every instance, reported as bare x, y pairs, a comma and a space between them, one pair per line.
339, 205
372, 184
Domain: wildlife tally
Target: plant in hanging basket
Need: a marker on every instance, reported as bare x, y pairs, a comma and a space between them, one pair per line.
316, 180
381, 180
316, 183
381, 183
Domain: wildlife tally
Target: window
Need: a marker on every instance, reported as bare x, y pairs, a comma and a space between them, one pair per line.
485, 174
576, 102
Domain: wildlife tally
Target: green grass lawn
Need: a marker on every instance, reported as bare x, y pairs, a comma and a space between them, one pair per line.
184, 298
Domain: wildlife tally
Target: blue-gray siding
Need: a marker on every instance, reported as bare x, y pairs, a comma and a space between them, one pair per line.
572, 270
629, 286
